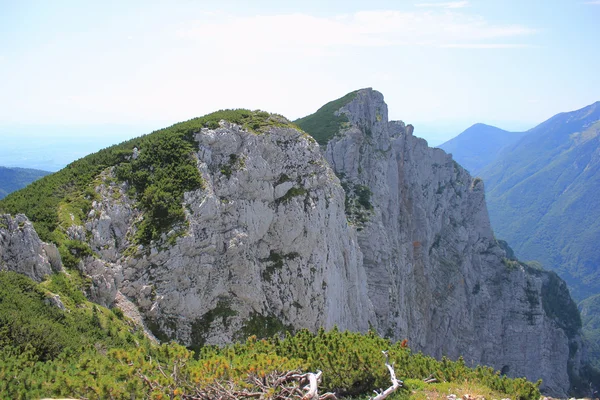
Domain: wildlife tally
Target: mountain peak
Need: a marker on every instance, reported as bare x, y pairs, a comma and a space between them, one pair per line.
363, 108
478, 145
366, 108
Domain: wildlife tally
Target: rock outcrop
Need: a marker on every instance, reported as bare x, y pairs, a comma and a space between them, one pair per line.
267, 244
373, 229
435, 273
22, 251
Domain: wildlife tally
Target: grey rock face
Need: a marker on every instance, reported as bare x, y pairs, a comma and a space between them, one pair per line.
273, 235
22, 251
267, 236
436, 275
55, 301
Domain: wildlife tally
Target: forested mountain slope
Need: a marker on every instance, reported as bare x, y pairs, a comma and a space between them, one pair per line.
542, 193
479, 145
12, 179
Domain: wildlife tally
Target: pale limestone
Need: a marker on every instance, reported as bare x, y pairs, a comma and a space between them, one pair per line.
424, 266
435, 272
22, 251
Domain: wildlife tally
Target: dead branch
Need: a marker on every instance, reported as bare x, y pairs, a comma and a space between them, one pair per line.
312, 390
395, 382
288, 386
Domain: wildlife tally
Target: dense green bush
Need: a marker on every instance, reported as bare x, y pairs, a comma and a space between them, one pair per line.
352, 364
89, 351
29, 322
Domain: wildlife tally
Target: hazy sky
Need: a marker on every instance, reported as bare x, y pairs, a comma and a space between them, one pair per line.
440, 65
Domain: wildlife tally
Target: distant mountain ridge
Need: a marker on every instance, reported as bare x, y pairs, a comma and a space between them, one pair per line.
541, 188
542, 196
12, 179
479, 145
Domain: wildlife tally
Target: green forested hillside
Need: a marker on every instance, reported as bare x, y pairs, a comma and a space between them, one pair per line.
590, 318
479, 145
542, 194
12, 179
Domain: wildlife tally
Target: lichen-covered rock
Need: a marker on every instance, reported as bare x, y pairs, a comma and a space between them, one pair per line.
22, 251
436, 275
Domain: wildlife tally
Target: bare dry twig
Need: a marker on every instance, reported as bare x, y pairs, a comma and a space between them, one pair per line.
396, 384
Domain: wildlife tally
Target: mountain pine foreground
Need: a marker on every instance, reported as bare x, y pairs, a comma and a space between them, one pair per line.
88, 351
250, 252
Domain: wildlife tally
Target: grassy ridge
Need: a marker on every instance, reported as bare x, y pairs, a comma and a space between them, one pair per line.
164, 170
324, 124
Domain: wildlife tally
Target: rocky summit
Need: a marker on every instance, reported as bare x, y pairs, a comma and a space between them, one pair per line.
371, 228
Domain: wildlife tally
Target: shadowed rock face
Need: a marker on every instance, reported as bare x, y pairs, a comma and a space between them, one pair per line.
272, 241
435, 273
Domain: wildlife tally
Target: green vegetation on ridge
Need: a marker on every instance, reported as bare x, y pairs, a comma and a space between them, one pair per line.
324, 124
30, 323
164, 170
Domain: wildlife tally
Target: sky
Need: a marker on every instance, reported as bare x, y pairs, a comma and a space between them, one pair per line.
76, 76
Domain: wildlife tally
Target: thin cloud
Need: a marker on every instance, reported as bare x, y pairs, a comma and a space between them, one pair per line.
307, 33
449, 4
593, 2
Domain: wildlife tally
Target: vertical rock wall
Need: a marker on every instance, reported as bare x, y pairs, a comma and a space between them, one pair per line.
436, 275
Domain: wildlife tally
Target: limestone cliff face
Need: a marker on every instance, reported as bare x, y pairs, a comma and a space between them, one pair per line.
374, 229
22, 251
267, 243
435, 273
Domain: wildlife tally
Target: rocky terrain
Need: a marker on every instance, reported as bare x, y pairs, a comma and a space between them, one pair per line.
22, 251
372, 229
436, 275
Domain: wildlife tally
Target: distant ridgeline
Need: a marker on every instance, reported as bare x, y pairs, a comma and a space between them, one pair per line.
239, 225
541, 188
12, 179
